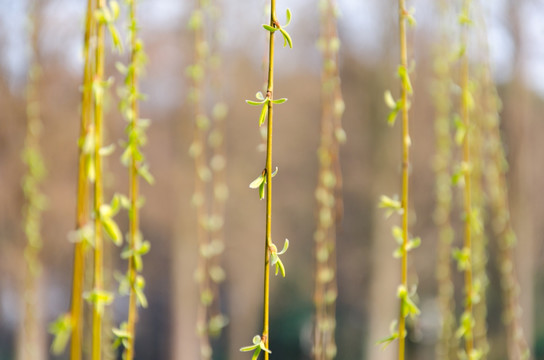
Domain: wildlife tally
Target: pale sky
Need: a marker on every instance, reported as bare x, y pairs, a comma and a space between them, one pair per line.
361, 27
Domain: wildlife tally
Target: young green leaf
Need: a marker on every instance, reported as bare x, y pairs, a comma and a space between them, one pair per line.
394, 334
285, 247
461, 130
463, 258
114, 6
121, 336
286, 38
257, 346
279, 101
397, 234
61, 329
112, 230
115, 38
269, 28
139, 289
280, 267
262, 117
257, 182
389, 101
390, 205
413, 244
405, 79
254, 103
288, 17
261, 190
392, 117
143, 171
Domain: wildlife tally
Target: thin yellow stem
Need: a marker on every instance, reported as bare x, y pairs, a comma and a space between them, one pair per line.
82, 210
405, 174
268, 235
98, 194
447, 346
495, 174
467, 189
134, 217
329, 212
33, 197
217, 148
202, 175
467, 179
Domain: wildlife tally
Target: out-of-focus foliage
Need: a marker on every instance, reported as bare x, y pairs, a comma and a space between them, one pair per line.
367, 64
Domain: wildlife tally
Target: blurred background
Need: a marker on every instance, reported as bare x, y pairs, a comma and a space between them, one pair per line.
367, 273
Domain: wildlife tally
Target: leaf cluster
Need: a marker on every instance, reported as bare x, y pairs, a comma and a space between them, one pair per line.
108, 16
275, 257
286, 37
393, 335
408, 306
122, 336
264, 103
397, 105
61, 329
106, 212
391, 205
399, 236
257, 347
100, 298
135, 253
260, 182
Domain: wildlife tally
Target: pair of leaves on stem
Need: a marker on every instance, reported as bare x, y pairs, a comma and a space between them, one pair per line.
408, 308
61, 329
391, 205
409, 16
264, 102
257, 347
106, 212
397, 105
286, 37
100, 298
140, 248
260, 182
466, 325
275, 257
108, 16
398, 234
122, 336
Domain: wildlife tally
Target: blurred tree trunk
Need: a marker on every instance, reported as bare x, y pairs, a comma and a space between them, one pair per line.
518, 125
383, 289
385, 277
31, 333
385, 273
184, 342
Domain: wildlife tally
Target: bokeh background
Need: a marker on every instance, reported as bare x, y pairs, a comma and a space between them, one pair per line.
367, 273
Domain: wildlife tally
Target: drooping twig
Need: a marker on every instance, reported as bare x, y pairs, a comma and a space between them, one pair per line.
328, 192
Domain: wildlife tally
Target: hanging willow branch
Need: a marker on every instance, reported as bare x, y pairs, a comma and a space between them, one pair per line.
407, 306
328, 192
71, 324
264, 181
448, 344
495, 171
208, 152
133, 282
35, 200
472, 223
